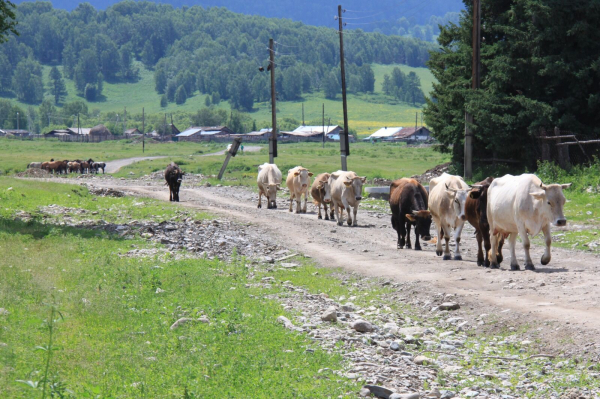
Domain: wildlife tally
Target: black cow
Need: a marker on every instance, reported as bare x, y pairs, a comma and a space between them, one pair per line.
409, 202
173, 176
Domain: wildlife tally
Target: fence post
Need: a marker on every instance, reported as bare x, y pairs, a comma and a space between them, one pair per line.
563, 152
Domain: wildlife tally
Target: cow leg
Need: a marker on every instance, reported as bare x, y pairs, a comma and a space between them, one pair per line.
494, 264
326, 213
457, 233
440, 236
347, 208
330, 211
514, 263
305, 202
319, 207
355, 211
417, 238
447, 243
526, 247
338, 213
479, 237
548, 237
500, 245
401, 230
408, 244
291, 202
259, 199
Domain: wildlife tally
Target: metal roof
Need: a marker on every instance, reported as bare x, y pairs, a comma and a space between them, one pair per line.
190, 132
386, 132
315, 129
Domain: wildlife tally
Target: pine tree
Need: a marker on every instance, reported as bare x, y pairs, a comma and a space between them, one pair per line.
57, 85
180, 95
164, 101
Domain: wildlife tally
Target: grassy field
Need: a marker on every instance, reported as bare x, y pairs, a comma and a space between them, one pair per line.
389, 161
98, 318
366, 112
15, 155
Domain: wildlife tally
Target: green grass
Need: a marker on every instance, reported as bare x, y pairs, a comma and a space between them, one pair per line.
390, 161
367, 112
112, 336
17, 154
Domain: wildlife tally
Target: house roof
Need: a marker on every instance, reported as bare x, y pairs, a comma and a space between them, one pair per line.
409, 131
131, 131
386, 132
261, 132
189, 132
81, 130
312, 130
15, 131
203, 130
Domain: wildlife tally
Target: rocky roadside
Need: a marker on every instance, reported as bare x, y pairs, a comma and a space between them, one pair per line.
406, 343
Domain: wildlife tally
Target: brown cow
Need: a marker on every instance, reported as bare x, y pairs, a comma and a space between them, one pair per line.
476, 211
321, 194
57, 166
409, 202
173, 176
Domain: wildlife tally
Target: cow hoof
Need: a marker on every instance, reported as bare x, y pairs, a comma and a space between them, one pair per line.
400, 246
320, 217
326, 217
438, 253
545, 261
487, 263
500, 258
260, 206
514, 268
480, 262
529, 267
447, 257
417, 248
494, 266
349, 222
340, 223
457, 257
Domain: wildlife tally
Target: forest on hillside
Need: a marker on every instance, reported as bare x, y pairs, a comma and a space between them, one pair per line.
211, 51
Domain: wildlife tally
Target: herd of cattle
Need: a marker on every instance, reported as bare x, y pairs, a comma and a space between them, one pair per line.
501, 208
66, 166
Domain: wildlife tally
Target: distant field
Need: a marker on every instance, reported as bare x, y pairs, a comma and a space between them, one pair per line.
366, 112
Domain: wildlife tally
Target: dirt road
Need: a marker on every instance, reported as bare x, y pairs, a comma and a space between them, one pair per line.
566, 291
116, 165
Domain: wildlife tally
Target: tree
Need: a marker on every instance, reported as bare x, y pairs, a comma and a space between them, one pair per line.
46, 111
207, 101
292, 84
86, 70
367, 78
160, 80
180, 95
164, 101
413, 88
171, 89
6, 72
209, 117
331, 85
77, 107
57, 85
8, 20
90, 92
240, 95
27, 81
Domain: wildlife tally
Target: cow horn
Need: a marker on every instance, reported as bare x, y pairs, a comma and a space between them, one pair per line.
543, 186
416, 213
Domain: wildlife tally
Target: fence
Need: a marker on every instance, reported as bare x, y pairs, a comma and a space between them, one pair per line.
566, 148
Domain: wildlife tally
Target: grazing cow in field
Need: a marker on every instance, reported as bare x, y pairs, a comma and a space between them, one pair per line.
409, 203
57, 166
74, 167
523, 205
85, 166
346, 192
35, 165
298, 181
447, 198
269, 181
321, 194
476, 210
173, 176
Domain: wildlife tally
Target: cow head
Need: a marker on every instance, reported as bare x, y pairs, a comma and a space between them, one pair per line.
459, 199
356, 183
422, 222
325, 190
304, 176
553, 202
272, 194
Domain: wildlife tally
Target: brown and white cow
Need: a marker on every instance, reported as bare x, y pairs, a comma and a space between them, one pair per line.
269, 181
298, 182
74, 167
346, 192
447, 198
476, 210
321, 195
409, 202
523, 205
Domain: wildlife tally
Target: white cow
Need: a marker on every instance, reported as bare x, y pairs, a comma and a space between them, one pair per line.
269, 181
447, 198
298, 182
523, 205
346, 192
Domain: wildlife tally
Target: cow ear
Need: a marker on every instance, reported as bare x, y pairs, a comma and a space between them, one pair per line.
474, 194
296, 173
335, 175
410, 217
348, 183
565, 186
543, 186
538, 195
320, 187
364, 179
310, 174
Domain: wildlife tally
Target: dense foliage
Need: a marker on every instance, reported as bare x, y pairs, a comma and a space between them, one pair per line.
193, 49
404, 87
540, 69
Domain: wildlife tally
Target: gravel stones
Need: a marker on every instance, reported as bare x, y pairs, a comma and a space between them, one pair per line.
362, 326
330, 314
414, 395
420, 360
449, 306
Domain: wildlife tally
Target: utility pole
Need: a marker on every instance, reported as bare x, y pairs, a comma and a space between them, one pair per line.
124, 119
344, 141
17, 120
303, 115
78, 126
416, 121
323, 125
475, 84
143, 131
273, 140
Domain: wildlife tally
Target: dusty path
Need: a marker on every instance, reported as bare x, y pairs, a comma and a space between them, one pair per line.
117, 164
566, 291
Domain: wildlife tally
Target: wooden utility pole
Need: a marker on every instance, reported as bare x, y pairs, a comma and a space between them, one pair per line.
124, 119
143, 131
273, 140
303, 115
344, 141
475, 84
